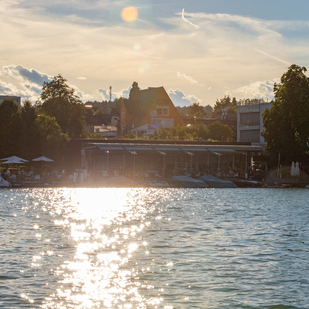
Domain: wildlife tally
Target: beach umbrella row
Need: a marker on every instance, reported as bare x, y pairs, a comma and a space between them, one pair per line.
18, 160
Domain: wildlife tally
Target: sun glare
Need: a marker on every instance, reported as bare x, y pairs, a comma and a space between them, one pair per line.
129, 14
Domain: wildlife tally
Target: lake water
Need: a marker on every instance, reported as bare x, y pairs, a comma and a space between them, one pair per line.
154, 248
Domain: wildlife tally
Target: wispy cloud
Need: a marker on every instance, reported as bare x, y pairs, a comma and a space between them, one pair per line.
273, 57
188, 21
227, 50
186, 77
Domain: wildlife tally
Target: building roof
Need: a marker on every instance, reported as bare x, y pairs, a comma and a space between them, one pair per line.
223, 149
143, 103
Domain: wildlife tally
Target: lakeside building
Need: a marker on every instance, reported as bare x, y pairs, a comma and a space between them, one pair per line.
150, 106
250, 122
166, 158
14, 98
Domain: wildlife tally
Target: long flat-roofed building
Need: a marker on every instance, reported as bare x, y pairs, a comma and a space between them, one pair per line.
167, 158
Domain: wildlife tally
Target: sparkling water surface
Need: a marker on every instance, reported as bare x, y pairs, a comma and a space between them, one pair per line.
154, 248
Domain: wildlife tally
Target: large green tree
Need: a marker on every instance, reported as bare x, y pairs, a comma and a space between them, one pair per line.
10, 129
58, 100
226, 102
196, 110
30, 132
116, 106
286, 124
134, 91
220, 132
51, 140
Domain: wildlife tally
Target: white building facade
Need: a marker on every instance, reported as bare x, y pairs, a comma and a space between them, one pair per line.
250, 122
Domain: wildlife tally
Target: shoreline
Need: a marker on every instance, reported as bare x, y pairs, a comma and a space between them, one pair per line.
112, 182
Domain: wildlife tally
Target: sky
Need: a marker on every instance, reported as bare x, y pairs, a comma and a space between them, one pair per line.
198, 50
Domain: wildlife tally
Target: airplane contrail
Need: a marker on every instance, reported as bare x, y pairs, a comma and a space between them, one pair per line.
187, 21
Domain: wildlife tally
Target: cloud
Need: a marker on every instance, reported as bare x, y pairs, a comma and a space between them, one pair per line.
8, 89
180, 99
273, 57
81, 78
259, 89
226, 51
104, 95
21, 81
186, 77
187, 21
24, 74
27, 83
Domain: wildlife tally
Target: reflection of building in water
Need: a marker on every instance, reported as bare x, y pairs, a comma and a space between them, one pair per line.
250, 122
166, 158
14, 98
150, 106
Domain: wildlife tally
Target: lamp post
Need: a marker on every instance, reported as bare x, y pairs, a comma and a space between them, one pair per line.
246, 172
246, 168
218, 154
163, 154
191, 155
107, 153
134, 154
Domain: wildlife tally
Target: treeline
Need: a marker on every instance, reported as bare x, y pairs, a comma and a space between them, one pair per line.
228, 103
286, 123
25, 133
215, 131
45, 128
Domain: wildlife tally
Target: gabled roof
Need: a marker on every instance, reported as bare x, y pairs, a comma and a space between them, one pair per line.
143, 104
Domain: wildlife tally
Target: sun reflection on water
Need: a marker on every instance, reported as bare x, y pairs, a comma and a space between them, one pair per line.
104, 227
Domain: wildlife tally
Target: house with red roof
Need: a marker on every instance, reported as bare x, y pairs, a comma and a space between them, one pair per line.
151, 106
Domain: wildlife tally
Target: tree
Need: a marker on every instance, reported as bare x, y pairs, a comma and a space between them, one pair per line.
173, 132
130, 135
10, 128
163, 133
226, 102
134, 91
116, 106
30, 132
181, 131
51, 140
208, 110
220, 132
196, 110
286, 125
58, 100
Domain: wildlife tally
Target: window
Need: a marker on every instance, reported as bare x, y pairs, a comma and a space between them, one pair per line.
162, 110
249, 119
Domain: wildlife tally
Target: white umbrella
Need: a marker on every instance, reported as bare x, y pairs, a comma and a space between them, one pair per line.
292, 169
14, 158
297, 169
13, 161
42, 159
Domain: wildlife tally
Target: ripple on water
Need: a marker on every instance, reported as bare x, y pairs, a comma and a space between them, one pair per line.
149, 248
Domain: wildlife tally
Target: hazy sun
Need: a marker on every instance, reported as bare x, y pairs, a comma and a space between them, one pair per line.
129, 14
